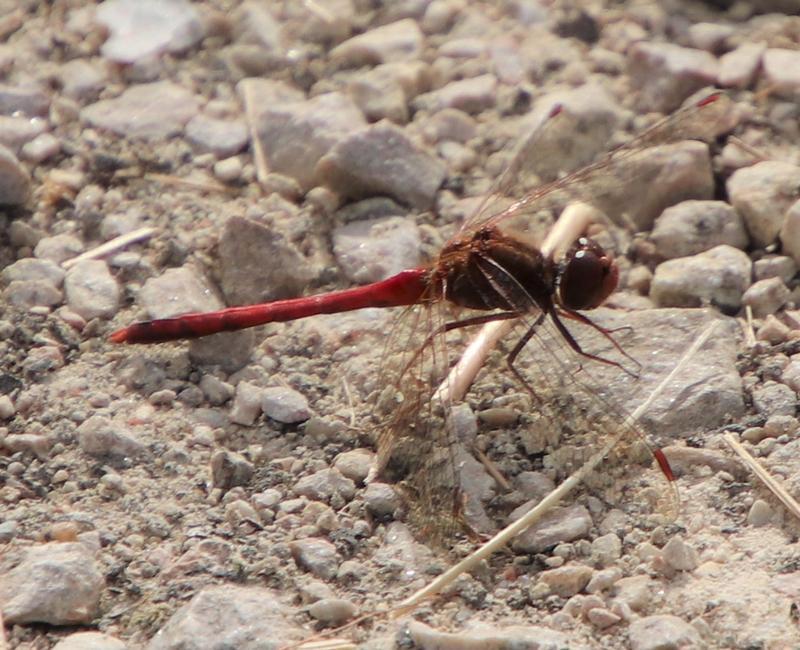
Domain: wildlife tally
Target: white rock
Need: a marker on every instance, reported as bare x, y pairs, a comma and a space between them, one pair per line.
285, 405
738, 68
762, 194
91, 290
781, 71
144, 28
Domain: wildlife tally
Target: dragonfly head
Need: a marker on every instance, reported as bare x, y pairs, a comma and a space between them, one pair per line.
588, 276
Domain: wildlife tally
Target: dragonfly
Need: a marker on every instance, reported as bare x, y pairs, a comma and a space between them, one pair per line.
494, 269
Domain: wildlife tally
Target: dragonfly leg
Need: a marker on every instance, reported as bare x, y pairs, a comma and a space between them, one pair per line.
576, 346
512, 356
458, 324
577, 316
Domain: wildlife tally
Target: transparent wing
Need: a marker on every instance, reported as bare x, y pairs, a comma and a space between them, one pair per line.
522, 191
416, 447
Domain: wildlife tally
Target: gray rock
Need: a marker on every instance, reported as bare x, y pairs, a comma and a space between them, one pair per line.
781, 70
317, 556
355, 464
774, 266
636, 591
606, 549
16, 131
333, 25
790, 232
297, 134
399, 41
246, 245
662, 631
738, 68
255, 24
15, 182
89, 641
216, 391
324, 485
534, 485
666, 74
38, 445
759, 514
380, 95
485, 636
679, 555
145, 28
472, 95
8, 531
720, 276
177, 291
228, 350
246, 403
382, 160
153, 111
692, 227
229, 470
230, 616
708, 392
58, 248
772, 398
30, 100
710, 36
381, 500
552, 148
82, 79
91, 290
222, 137
98, 436
766, 296
566, 581
562, 524
32, 293
41, 148
659, 177
449, 124
56, 584
762, 194
369, 251
285, 405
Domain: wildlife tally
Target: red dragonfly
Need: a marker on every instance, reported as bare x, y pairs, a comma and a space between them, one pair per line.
492, 269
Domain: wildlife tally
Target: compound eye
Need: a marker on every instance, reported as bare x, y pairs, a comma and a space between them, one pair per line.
589, 275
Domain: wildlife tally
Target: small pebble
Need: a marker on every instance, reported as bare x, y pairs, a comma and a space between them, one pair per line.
332, 611
228, 170
759, 514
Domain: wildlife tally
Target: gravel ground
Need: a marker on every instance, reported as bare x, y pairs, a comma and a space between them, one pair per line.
213, 494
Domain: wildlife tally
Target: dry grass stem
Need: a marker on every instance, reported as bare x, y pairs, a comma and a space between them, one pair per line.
111, 246
773, 485
259, 157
